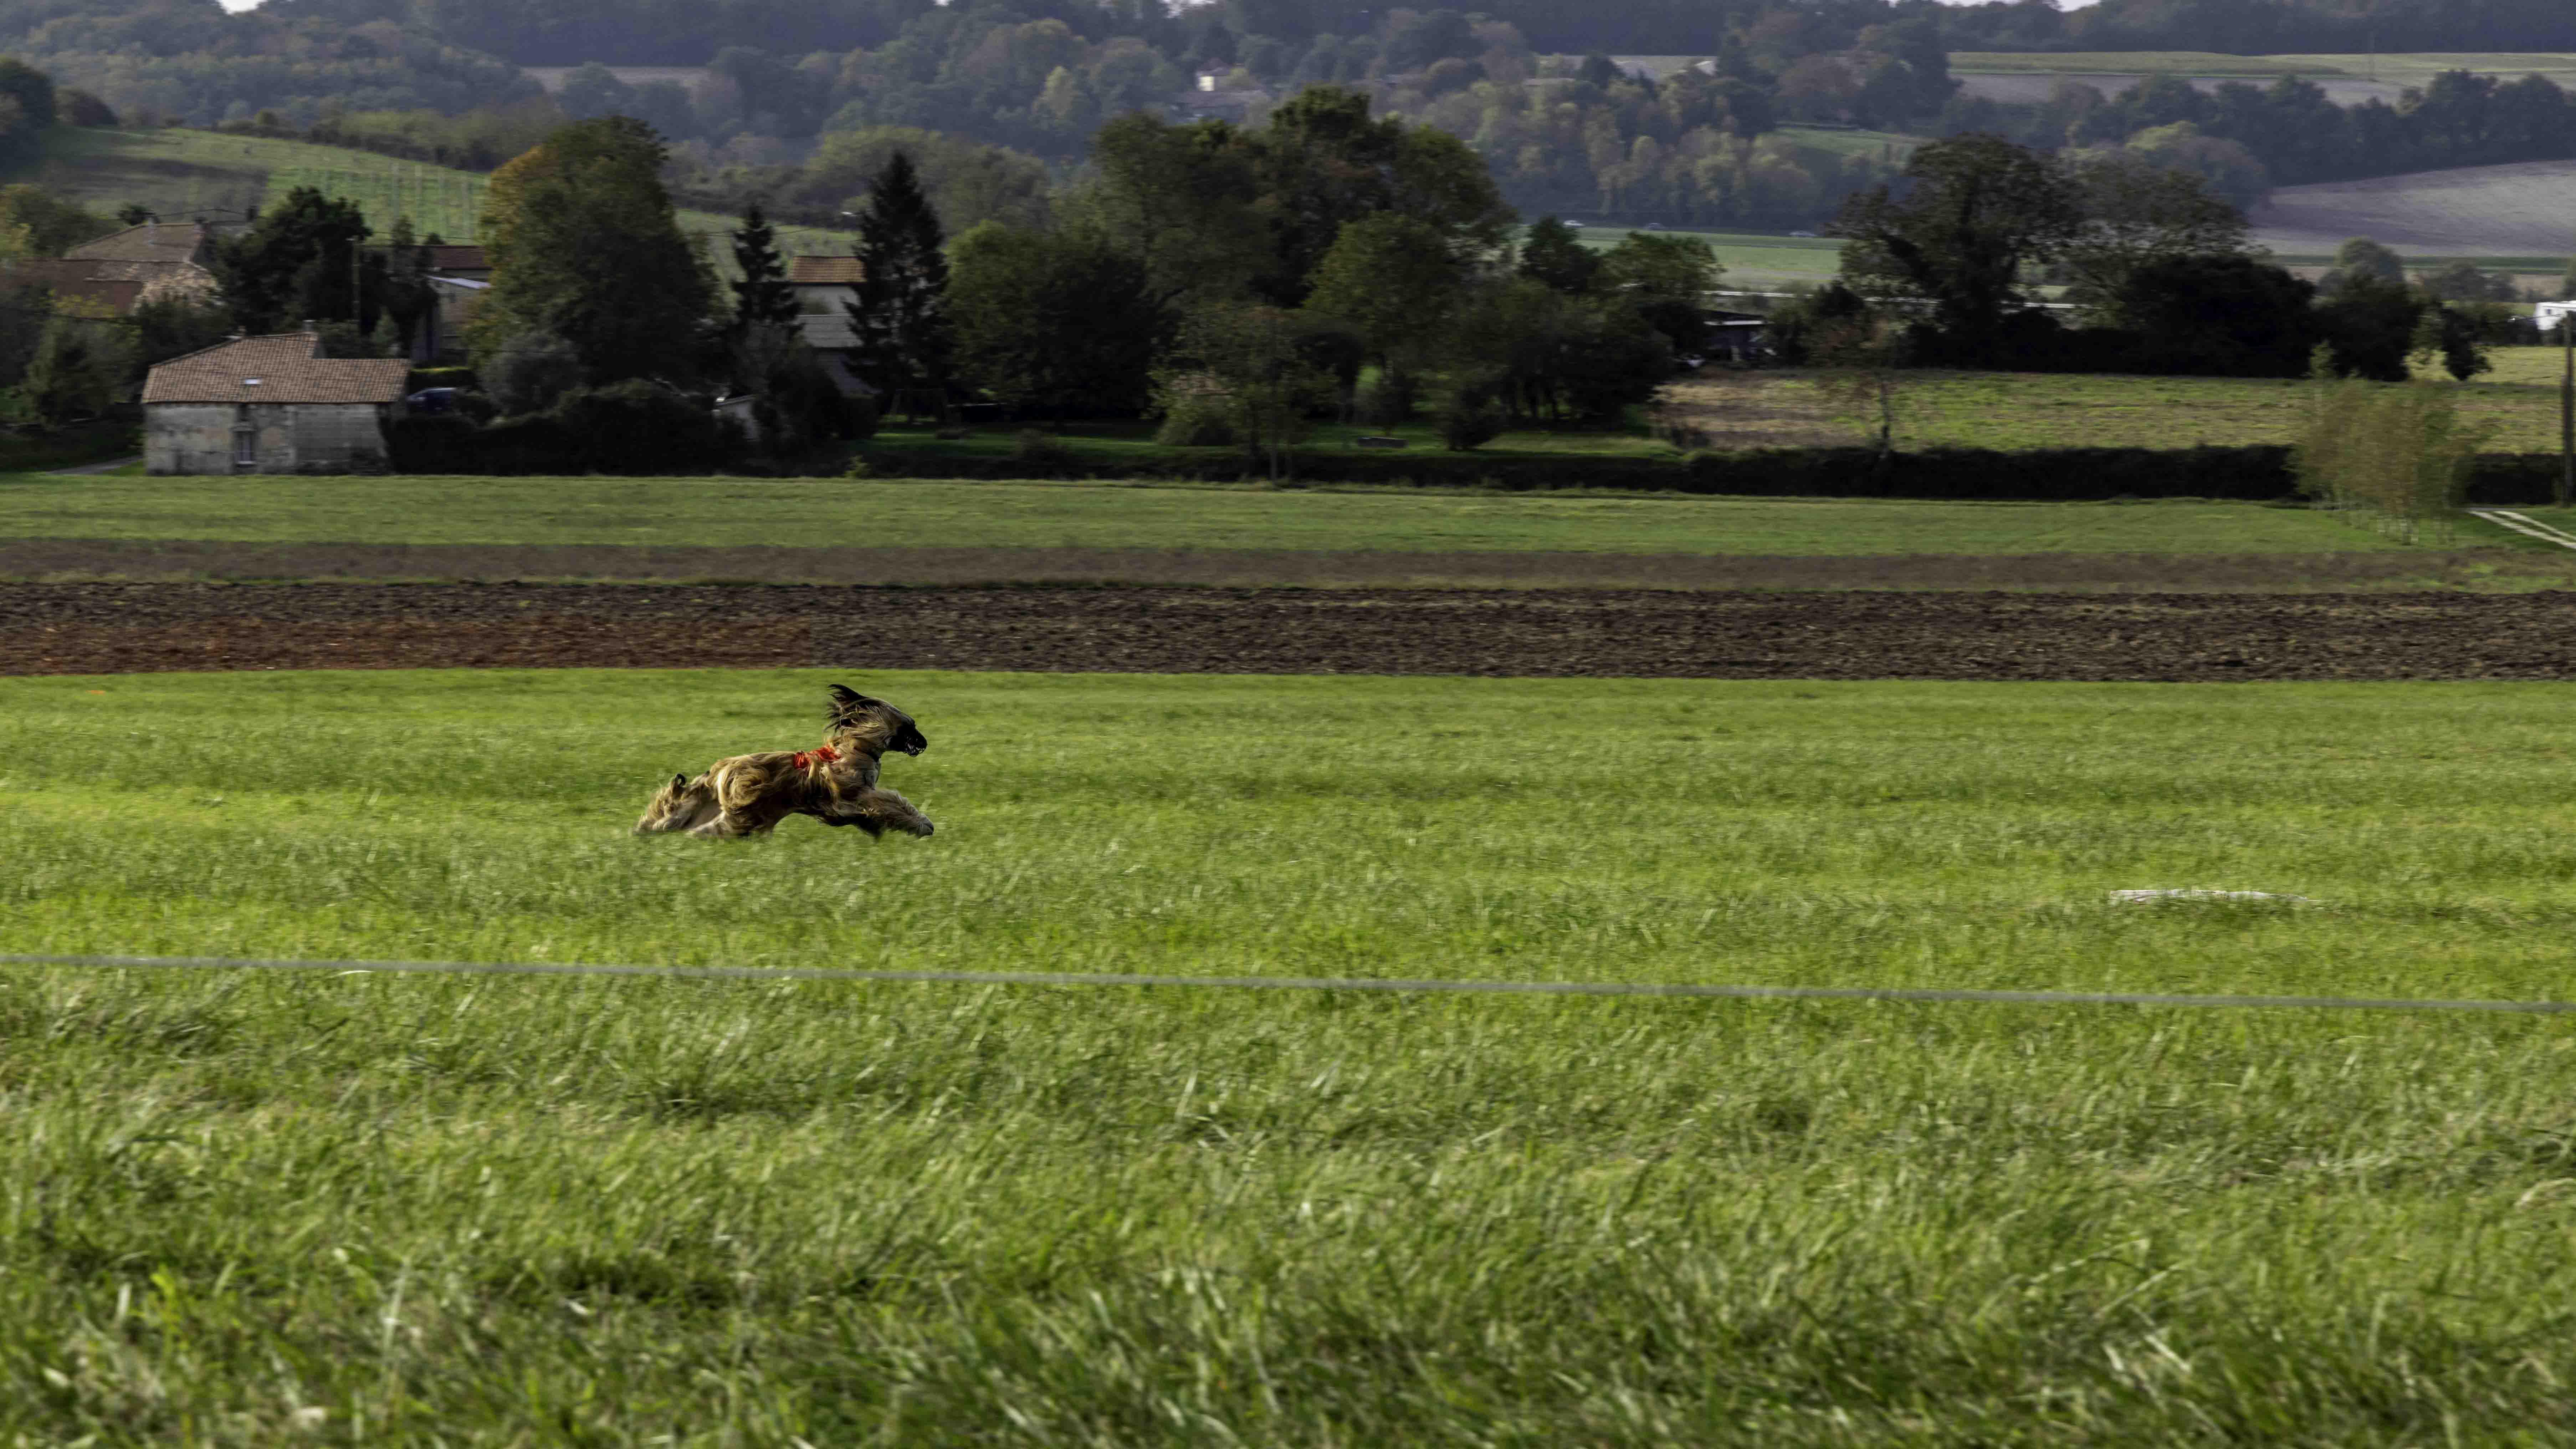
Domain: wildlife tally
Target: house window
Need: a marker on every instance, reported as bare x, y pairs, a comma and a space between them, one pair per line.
245, 438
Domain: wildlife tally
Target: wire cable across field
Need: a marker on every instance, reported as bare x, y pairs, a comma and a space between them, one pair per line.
1303, 983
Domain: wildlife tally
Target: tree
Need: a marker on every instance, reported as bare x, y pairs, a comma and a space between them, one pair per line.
1977, 211
530, 373
2218, 315
1248, 362
81, 364
2465, 281
1323, 163
2451, 339
50, 223
1551, 256
901, 311
1393, 280
1181, 200
584, 246
762, 294
1052, 319
594, 90
1547, 354
2360, 259
403, 292
2370, 327
1667, 280
298, 262
2137, 214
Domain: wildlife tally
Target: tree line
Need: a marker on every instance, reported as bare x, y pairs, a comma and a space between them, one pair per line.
2245, 138
2157, 271
1235, 281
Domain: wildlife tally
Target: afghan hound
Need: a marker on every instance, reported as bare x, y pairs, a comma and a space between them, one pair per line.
835, 782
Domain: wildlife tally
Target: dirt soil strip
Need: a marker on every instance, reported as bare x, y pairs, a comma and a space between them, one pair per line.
71, 560
106, 628
551, 642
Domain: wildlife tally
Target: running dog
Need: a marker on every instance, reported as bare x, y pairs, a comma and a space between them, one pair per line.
835, 783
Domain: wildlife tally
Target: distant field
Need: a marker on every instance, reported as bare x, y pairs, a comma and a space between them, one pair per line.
2526, 209
182, 173
2015, 410
1752, 260
2346, 79
2135, 62
819, 513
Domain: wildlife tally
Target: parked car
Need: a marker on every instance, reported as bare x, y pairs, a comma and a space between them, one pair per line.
433, 400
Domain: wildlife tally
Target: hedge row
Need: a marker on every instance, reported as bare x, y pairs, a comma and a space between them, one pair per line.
2064, 475
2060, 475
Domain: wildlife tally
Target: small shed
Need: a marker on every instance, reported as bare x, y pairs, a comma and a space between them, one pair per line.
270, 405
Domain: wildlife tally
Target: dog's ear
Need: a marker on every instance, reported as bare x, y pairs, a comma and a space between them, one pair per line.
679, 782
843, 696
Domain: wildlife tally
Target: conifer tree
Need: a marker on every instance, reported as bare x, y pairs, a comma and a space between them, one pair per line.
763, 294
901, 312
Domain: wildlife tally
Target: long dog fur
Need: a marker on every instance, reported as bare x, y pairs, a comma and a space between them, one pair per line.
748, 795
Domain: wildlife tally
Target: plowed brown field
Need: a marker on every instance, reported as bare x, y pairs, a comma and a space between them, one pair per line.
111, 628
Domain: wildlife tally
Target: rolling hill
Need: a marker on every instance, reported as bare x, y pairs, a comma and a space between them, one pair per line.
2523, 210
181, 173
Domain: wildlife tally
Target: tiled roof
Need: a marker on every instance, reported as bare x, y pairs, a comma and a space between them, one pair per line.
285, 368
825, 271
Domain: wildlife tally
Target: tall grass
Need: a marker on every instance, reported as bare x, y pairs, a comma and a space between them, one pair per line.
2395, 456
239, 1209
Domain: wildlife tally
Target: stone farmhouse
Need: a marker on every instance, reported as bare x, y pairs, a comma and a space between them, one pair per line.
270, 405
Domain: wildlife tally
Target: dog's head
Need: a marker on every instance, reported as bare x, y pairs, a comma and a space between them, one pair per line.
874, 722
680, 805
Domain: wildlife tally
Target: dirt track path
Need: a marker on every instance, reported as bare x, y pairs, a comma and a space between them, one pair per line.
118, 628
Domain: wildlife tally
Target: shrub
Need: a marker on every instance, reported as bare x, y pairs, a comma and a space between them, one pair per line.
1468, 418
637, 426
1035, 449
1196, 414
2397, 454
859, 419
1385, 401
531, 373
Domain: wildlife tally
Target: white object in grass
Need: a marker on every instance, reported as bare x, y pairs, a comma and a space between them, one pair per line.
2135, 898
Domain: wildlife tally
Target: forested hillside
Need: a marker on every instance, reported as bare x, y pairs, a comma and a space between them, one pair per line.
1714, 113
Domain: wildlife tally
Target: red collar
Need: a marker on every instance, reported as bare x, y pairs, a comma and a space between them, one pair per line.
805, 758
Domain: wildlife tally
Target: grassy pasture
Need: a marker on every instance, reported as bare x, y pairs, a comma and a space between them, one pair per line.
181, 173
2015, 410
825, 512
414, 1210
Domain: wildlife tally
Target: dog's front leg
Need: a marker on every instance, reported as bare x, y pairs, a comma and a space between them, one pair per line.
877, 808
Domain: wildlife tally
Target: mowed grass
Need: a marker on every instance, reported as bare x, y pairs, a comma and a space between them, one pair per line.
858, 513
240, 1208
2518, 403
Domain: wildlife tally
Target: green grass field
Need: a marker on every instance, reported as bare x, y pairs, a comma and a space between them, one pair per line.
823, 512
238, 1209
182, 173
2016, 410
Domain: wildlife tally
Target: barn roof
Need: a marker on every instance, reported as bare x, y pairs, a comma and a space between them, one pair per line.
826, 271
287, 367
